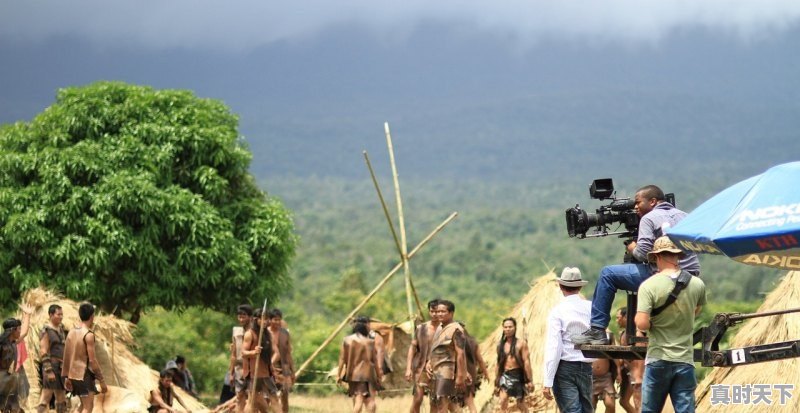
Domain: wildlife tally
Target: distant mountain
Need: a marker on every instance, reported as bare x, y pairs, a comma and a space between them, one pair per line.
466, 105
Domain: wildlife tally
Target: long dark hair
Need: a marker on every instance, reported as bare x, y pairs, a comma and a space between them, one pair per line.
266, 338
360, 327
501, 354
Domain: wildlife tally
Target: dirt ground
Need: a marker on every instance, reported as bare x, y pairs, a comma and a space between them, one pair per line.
342, 404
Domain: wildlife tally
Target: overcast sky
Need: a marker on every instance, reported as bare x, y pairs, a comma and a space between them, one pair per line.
242, 25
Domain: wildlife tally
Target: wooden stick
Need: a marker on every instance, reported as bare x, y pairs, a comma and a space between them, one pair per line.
403, 244
391, 227
383, 204
372, 293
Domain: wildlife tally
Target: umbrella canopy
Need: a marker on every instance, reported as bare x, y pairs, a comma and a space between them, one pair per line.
756, 221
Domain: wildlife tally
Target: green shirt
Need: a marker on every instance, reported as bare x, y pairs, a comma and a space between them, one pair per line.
670, 337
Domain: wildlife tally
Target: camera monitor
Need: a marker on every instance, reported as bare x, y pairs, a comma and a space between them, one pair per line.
602, 189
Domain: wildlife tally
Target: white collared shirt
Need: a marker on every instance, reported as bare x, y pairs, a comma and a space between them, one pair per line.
570, 317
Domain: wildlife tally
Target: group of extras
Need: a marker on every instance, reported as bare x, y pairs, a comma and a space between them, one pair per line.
69, 364
444, 362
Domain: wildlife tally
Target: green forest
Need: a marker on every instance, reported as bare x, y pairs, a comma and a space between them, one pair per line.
504, 237
146, 202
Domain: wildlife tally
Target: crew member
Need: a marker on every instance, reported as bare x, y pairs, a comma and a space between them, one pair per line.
567, 372
657, 215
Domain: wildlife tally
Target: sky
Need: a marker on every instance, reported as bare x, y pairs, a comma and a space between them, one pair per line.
244, 25
476, 88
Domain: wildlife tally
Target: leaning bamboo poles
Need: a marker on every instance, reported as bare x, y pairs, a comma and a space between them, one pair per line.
403, 246
373, 292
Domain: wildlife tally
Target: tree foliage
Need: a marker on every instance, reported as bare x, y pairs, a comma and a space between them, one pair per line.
133, 197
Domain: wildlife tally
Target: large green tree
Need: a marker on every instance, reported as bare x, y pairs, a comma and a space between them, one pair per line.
133, 197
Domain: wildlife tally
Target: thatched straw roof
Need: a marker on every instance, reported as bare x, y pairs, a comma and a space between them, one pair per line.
128, 378
543, 295
763, 330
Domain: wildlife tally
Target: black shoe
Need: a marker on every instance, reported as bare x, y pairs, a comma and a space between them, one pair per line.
591, 336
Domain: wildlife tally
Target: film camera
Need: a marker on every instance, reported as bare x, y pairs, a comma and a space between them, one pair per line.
619, 210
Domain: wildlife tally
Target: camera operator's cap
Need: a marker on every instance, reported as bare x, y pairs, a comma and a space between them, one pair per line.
571, 277
663, 244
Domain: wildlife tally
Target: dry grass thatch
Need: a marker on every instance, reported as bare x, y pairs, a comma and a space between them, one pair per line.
764, 330
128, 378
541, 298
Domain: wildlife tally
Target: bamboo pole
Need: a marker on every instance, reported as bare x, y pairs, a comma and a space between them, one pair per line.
372, 293
403, 244
391, 226
383, 204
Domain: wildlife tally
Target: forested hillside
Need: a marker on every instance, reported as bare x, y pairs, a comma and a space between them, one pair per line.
505, 236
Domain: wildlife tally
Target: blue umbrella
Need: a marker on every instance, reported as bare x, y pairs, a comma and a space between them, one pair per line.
756, 221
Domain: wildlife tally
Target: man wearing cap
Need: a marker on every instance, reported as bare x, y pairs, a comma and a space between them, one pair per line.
567, 372
657, 215
669, 366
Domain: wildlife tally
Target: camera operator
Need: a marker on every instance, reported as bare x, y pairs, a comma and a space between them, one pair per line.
656, 216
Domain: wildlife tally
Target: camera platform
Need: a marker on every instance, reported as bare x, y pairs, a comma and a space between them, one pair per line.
612, 352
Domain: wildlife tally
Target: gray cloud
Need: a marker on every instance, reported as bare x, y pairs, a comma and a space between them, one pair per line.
241, 25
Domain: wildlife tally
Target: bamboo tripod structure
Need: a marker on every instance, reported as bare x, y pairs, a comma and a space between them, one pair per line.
402, 249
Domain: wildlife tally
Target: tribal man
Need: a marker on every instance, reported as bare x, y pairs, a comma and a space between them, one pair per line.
161, 398
81, 369
282, 362
418, 356
261, 372
51, 350
358, 367
13, 332
513, 367
244, 315
474, 362
447, 363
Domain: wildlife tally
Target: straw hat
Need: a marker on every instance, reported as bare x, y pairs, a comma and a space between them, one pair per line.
571, 277
662, 244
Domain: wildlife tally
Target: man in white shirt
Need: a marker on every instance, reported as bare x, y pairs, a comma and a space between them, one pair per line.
566, 371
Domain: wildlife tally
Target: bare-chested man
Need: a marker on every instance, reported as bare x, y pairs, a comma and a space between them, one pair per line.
474, 362
447, 362
258, 366
631, 371
513, 367
384, 363
161, 398
418, 356
81, 369
358, 367
51, 350
604, 371
244, 315
14, 331
282, 362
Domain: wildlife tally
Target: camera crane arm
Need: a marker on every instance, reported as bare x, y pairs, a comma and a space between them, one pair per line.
709, 355
709, 337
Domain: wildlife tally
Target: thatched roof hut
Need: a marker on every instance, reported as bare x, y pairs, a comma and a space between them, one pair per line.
763, 330
128, 378
543, 295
